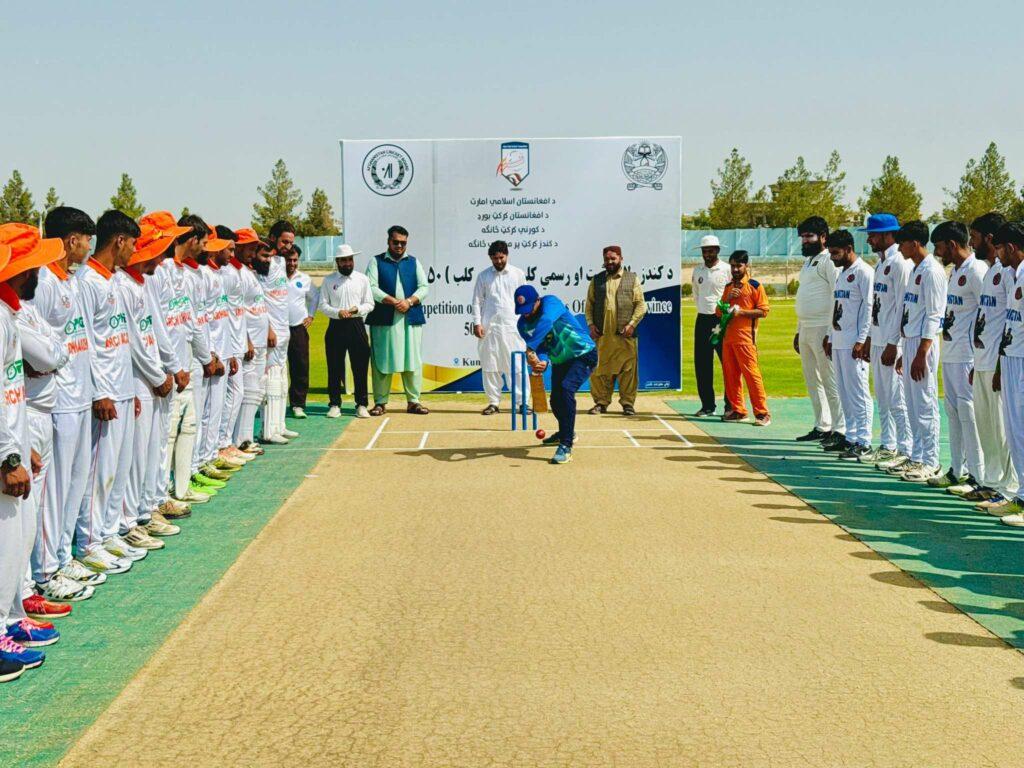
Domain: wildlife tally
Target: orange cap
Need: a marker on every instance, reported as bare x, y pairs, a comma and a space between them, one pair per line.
27, 249
164, 220
247, 236
158, 233
5, 255
214, 243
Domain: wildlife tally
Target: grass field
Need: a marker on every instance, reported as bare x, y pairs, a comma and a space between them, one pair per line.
779, 364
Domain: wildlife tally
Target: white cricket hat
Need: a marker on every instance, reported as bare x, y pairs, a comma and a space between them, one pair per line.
710, 241
345, 251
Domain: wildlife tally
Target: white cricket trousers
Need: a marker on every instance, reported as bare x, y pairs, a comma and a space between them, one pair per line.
200, 396
923, 403
112, 444
146, 461
16, 523
819, 377
254, 387
154, 491
212, 417
854, 395
892, 404
181, 438
995, 453
69, 479
1013, 414
46, 522
964, 445
234, 393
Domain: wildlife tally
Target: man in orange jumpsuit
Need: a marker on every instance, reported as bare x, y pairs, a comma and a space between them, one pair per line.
747, 303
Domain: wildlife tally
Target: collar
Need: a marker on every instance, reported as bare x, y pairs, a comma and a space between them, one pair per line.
9, 297
100, 268
58, 271
134, 274
892, 250
190, 262
236, 263
212, 264
390, 257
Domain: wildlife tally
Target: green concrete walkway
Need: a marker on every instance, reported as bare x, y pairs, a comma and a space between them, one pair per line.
107, 639
968, 558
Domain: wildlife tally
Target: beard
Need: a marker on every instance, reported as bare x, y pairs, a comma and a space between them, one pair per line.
346, 271
28, 291
261, 267
612, 269
811, 249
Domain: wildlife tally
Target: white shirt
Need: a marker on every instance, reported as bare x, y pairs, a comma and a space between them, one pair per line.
174, 288
231, 280
275, 293
302, 298
851, 314
257, 323
338, 292
14, 435
924, 300
218, 311
891, 274
43, 348
709, 284
991, 318
106, 323
962, 297
147, 367
494, 305
1013, 333
814, 294
57, 301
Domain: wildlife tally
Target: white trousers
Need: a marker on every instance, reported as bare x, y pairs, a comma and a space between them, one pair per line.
234, 392
212, 417
964, 445
923, 403
995, 453
46, 521
1013, 414
819, 377
181, 438
254, 387
138, 505
154, 489
854, 395
200, 396
892, 404
69, 479
112, 444
16, 523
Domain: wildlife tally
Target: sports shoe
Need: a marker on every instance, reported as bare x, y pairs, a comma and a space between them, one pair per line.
64, 590
158, 526
361, 412
555, 439
10, 670
734, 416
118, 547
205, 481
275, 440
922, 473
229, 466
234, 452
815, 435
174, 509
298, 413
225, 455
253, 449
980, 493
703, 412
291, 434
38, 607
897, 466
1007, 508
837, 445
75, 571
763, 421
1015, 520
196, 494
211, 472
30, 634
833, 439
854, 453
562, 455
879, 456
962, 489
947, 480
138, 538
10, 650
98, 559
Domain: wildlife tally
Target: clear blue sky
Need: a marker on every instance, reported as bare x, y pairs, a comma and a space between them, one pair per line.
196, 100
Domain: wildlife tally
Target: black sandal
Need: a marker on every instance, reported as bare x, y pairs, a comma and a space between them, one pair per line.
378, 410
417, 408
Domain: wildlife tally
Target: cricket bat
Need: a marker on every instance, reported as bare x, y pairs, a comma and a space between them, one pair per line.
540, 397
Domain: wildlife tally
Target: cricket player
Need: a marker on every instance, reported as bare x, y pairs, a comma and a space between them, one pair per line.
963, 294
1000, 480
923, 308
494, 324
885, 342
555, 336
1010, 376
238, 347
814, 312
275, 295
254, 256
846, 344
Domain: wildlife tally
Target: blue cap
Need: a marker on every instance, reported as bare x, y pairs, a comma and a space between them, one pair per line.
881, 222
526, 296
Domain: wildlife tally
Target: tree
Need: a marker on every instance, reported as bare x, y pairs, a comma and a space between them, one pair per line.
281, 200
319, 218
1017, 212
892, 192
985, 186
126, 199
52, 201
799, 193
16, 204
732, 204
185, 212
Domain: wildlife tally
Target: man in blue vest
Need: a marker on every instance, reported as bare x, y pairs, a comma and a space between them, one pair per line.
399, 286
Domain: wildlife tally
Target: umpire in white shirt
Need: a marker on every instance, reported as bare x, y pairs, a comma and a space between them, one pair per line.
345, 298
709, 281
814, 314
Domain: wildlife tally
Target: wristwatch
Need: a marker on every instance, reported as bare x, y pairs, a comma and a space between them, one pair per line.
13, 461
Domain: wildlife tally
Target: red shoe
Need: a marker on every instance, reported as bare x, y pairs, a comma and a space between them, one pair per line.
38, 607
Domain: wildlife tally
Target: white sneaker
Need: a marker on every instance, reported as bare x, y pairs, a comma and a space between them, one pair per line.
78, 572
64, 590
362, 413
922, 473
895, 466
299, 413
193, 497
1017, 520
118, 547
139, 538
289, 433
276, 440
99, 560
334, 412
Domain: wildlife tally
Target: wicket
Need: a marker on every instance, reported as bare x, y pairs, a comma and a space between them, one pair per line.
523, 389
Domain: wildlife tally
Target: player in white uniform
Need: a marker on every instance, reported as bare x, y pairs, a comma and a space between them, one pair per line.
1000, 480
238, 347
924, 302
845, 344
275, 294
254, 256
1010, 378
113, 426
963, 293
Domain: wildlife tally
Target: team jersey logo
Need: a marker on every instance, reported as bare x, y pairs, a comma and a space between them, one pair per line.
15, 369
998, 278
146, 323
887, 270
700, 280
917, 280
849, 278
116, 321
962, 281
75, 326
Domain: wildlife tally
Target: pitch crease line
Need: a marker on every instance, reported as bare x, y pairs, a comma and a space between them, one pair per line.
423, 441
369, 445
631, 438
674, 431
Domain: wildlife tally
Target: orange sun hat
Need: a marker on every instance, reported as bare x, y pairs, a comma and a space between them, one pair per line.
27, 249
158, 233
5, 255
247, 236
214, 243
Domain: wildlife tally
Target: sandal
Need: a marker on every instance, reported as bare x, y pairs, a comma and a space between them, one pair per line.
418, 408
378, 410
628, 410
597, 409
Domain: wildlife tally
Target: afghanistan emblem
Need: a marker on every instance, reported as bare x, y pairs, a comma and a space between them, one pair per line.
514, 164
644, 164
387, 170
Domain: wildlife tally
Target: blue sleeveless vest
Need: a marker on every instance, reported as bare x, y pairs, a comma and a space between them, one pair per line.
388, 275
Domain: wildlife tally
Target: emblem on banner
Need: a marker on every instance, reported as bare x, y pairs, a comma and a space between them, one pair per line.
644, 164
387, 170
515, 162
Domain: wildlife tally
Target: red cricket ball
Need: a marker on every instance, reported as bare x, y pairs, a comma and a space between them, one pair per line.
541, 434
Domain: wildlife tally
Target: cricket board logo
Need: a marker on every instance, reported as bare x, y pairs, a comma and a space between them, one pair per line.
387, 170
644, 164
514, 164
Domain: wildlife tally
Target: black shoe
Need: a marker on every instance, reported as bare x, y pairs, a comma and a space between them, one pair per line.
628, 410
854, 452
10, 670
814, 435
838, 445
704, 412
490, 409
830, 438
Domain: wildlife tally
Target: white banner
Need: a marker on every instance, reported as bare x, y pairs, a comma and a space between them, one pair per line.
556, 202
